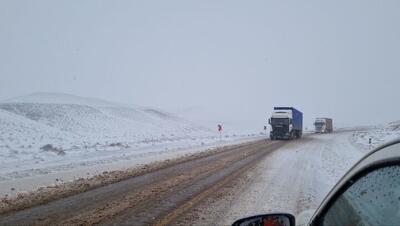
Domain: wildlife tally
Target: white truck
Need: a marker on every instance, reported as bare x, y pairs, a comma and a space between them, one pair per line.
323, 125
286, 123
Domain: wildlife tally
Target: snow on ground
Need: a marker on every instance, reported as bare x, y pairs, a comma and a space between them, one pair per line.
379, 135
296, 177
48, 136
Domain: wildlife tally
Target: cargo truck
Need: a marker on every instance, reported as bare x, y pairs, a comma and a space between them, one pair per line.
286, 123
323, 125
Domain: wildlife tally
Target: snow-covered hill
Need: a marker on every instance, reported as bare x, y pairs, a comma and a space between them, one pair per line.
48, 134
70, 122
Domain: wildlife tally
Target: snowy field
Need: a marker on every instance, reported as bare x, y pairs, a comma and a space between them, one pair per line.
47, 137
378, 135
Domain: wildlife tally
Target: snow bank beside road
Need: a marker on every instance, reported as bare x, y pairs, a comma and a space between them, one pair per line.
378, 136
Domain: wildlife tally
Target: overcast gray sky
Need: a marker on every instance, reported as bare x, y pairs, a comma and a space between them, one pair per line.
235, 59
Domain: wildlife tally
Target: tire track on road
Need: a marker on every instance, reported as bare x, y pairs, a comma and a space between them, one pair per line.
147, 198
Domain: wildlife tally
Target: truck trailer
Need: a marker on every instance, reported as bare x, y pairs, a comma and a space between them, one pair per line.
286, 123
323, 125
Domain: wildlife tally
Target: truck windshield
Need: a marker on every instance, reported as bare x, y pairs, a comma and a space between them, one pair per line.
319, 123
279, 121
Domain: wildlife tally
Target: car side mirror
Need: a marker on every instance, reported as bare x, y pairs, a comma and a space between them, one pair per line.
274, 219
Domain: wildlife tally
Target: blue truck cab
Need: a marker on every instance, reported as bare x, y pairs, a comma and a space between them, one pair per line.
286, 123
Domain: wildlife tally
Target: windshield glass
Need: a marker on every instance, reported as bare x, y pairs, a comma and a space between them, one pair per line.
372, 200
279, 121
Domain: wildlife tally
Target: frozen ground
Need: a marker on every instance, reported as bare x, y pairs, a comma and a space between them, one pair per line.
46, 137
292, 179
378, 135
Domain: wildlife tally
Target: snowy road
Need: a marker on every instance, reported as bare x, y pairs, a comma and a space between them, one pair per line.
294, 179
214, 189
